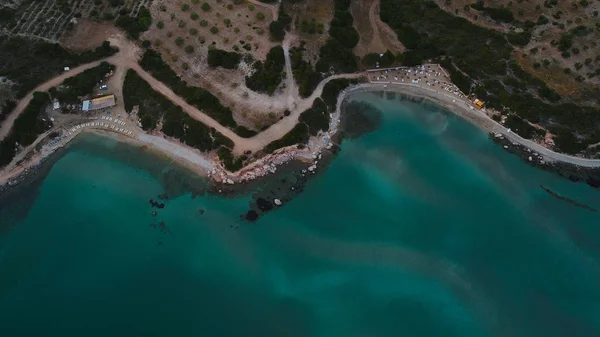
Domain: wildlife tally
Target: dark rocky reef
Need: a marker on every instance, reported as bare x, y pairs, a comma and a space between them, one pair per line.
574, 173
359, 118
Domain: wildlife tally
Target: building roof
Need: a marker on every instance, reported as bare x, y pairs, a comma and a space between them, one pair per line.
86, 105
99, 103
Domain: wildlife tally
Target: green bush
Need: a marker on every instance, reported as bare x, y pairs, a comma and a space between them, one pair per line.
267, 75
316, 118
222, 58
305, 75
229, 162
337, 55
298, 135
135, 26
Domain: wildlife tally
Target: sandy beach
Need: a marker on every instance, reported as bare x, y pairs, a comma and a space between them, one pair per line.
208, 164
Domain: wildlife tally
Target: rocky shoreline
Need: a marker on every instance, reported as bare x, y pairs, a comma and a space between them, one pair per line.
574, 173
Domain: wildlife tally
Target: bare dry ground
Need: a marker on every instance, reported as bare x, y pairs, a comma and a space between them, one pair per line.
569, 75
375, 36
317, 12
188, 32
88, 34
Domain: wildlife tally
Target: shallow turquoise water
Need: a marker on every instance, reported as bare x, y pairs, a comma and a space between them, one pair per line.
421, 228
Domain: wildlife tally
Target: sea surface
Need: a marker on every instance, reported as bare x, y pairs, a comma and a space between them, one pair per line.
421, 228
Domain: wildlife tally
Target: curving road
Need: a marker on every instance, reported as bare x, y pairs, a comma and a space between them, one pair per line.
10, 120
127, 59
462, 108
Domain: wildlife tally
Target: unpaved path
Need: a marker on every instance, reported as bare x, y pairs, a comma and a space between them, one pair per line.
384, 37
376, 45
10, 120
285, 125
291, 93
127, 58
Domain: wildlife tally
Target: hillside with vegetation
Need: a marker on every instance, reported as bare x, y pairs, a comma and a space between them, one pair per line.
27, 62
482, 61
49, 20
561, 39
28, 126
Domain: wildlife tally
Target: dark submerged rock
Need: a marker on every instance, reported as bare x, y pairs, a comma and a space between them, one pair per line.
595, 183
251, 215
264, 205
360, 118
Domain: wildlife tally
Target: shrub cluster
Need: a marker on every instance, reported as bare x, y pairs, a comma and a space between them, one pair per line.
31, 62
337, 55
278, 27
267, 75
199, 97
305, 75
81, 84
135, 26
222, 58
27, 127
485, 56
155, 108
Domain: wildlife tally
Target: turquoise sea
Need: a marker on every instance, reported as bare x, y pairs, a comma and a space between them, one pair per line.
421, 228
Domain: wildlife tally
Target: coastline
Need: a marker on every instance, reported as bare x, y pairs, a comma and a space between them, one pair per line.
573, 168
209, 165
463, 108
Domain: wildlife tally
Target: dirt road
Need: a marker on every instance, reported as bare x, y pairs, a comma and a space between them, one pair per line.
384, 38
127, 58
10, 120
